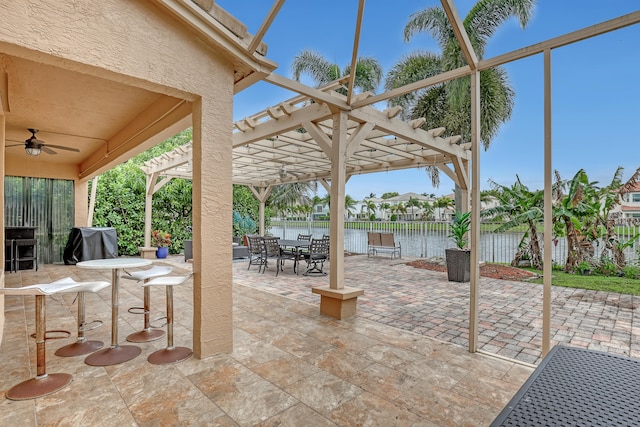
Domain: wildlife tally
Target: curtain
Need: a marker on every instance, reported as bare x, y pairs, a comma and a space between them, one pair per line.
44, 203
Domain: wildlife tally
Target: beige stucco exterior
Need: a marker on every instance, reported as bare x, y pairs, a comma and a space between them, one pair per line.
117, 77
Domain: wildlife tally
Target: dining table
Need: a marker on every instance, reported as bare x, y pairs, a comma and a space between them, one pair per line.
297, 245
116, 353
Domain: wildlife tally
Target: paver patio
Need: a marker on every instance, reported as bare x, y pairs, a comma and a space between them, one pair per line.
510, 313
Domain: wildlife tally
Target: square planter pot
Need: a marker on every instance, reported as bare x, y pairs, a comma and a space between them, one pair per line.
458, 265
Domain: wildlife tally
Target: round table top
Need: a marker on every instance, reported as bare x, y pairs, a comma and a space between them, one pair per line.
114, 263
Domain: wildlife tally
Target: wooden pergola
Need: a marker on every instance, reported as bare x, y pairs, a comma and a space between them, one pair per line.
324, 136
292, 142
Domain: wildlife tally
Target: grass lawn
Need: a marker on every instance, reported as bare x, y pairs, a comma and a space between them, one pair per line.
621, 285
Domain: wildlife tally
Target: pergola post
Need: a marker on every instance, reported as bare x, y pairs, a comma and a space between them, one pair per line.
262, 194
337, 300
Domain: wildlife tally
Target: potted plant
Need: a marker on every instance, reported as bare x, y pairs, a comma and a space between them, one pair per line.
459, 258
161, 240
243, 225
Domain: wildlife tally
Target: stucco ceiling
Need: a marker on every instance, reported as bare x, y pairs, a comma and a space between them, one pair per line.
70, 109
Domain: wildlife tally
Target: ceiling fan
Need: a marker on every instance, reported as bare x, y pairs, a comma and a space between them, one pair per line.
33, 146
283, 172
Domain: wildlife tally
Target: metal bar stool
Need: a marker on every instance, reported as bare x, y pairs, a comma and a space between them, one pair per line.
147, 333
82, 345
43, 383
170, 354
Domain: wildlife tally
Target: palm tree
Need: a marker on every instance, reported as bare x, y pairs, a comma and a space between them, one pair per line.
449, 104
429, 210
349, 205
285, 196
412, 202
368, 71
443, 203
385, 207
370, 207
401, 208
518, 206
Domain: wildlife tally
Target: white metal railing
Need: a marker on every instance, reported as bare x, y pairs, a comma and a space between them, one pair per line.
428, 239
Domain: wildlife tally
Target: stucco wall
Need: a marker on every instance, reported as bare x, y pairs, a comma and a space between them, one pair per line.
137, 43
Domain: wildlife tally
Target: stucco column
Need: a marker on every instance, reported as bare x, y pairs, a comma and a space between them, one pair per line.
81, 202
212, 224
336, 300
2, 137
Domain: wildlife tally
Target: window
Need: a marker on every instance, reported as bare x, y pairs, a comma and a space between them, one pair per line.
635, 197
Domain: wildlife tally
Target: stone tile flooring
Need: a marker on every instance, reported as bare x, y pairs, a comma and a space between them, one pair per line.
290, 366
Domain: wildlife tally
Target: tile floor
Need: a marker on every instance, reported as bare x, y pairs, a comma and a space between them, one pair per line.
290, 366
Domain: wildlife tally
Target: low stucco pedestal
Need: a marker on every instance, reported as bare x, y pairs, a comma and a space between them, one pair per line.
147, 252
338, 303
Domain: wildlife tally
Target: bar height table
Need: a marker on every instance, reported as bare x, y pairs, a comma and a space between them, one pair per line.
115, 353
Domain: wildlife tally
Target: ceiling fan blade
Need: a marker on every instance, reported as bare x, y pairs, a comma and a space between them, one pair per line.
14, 145
47, 150
60, 147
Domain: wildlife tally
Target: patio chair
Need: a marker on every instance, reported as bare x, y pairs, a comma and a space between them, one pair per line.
256, 251
273, 251
318, 254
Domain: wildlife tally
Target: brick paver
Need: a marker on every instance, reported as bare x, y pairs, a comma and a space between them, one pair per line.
510, 313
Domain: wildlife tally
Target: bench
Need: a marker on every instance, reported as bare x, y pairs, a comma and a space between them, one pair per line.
383, 242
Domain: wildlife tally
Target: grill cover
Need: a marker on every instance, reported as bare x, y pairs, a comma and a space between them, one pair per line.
87, 243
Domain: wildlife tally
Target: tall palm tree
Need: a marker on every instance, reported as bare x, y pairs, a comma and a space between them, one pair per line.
368, 71
449, 104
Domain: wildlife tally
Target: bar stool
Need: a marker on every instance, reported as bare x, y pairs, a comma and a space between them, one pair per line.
147, 333
43, 383
82, 345
170, 354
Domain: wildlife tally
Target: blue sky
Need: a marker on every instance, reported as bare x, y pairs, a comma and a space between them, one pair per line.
596, 90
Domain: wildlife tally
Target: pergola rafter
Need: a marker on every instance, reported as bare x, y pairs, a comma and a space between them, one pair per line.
277, 146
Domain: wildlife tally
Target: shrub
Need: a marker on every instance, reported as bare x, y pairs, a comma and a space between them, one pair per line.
608, 268
631, 272
394, 217
584, 268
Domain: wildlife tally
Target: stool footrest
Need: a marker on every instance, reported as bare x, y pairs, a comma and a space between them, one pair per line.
157, 320
138, 310
90, 326
50, 335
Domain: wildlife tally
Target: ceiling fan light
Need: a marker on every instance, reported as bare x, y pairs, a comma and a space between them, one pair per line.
32, 150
